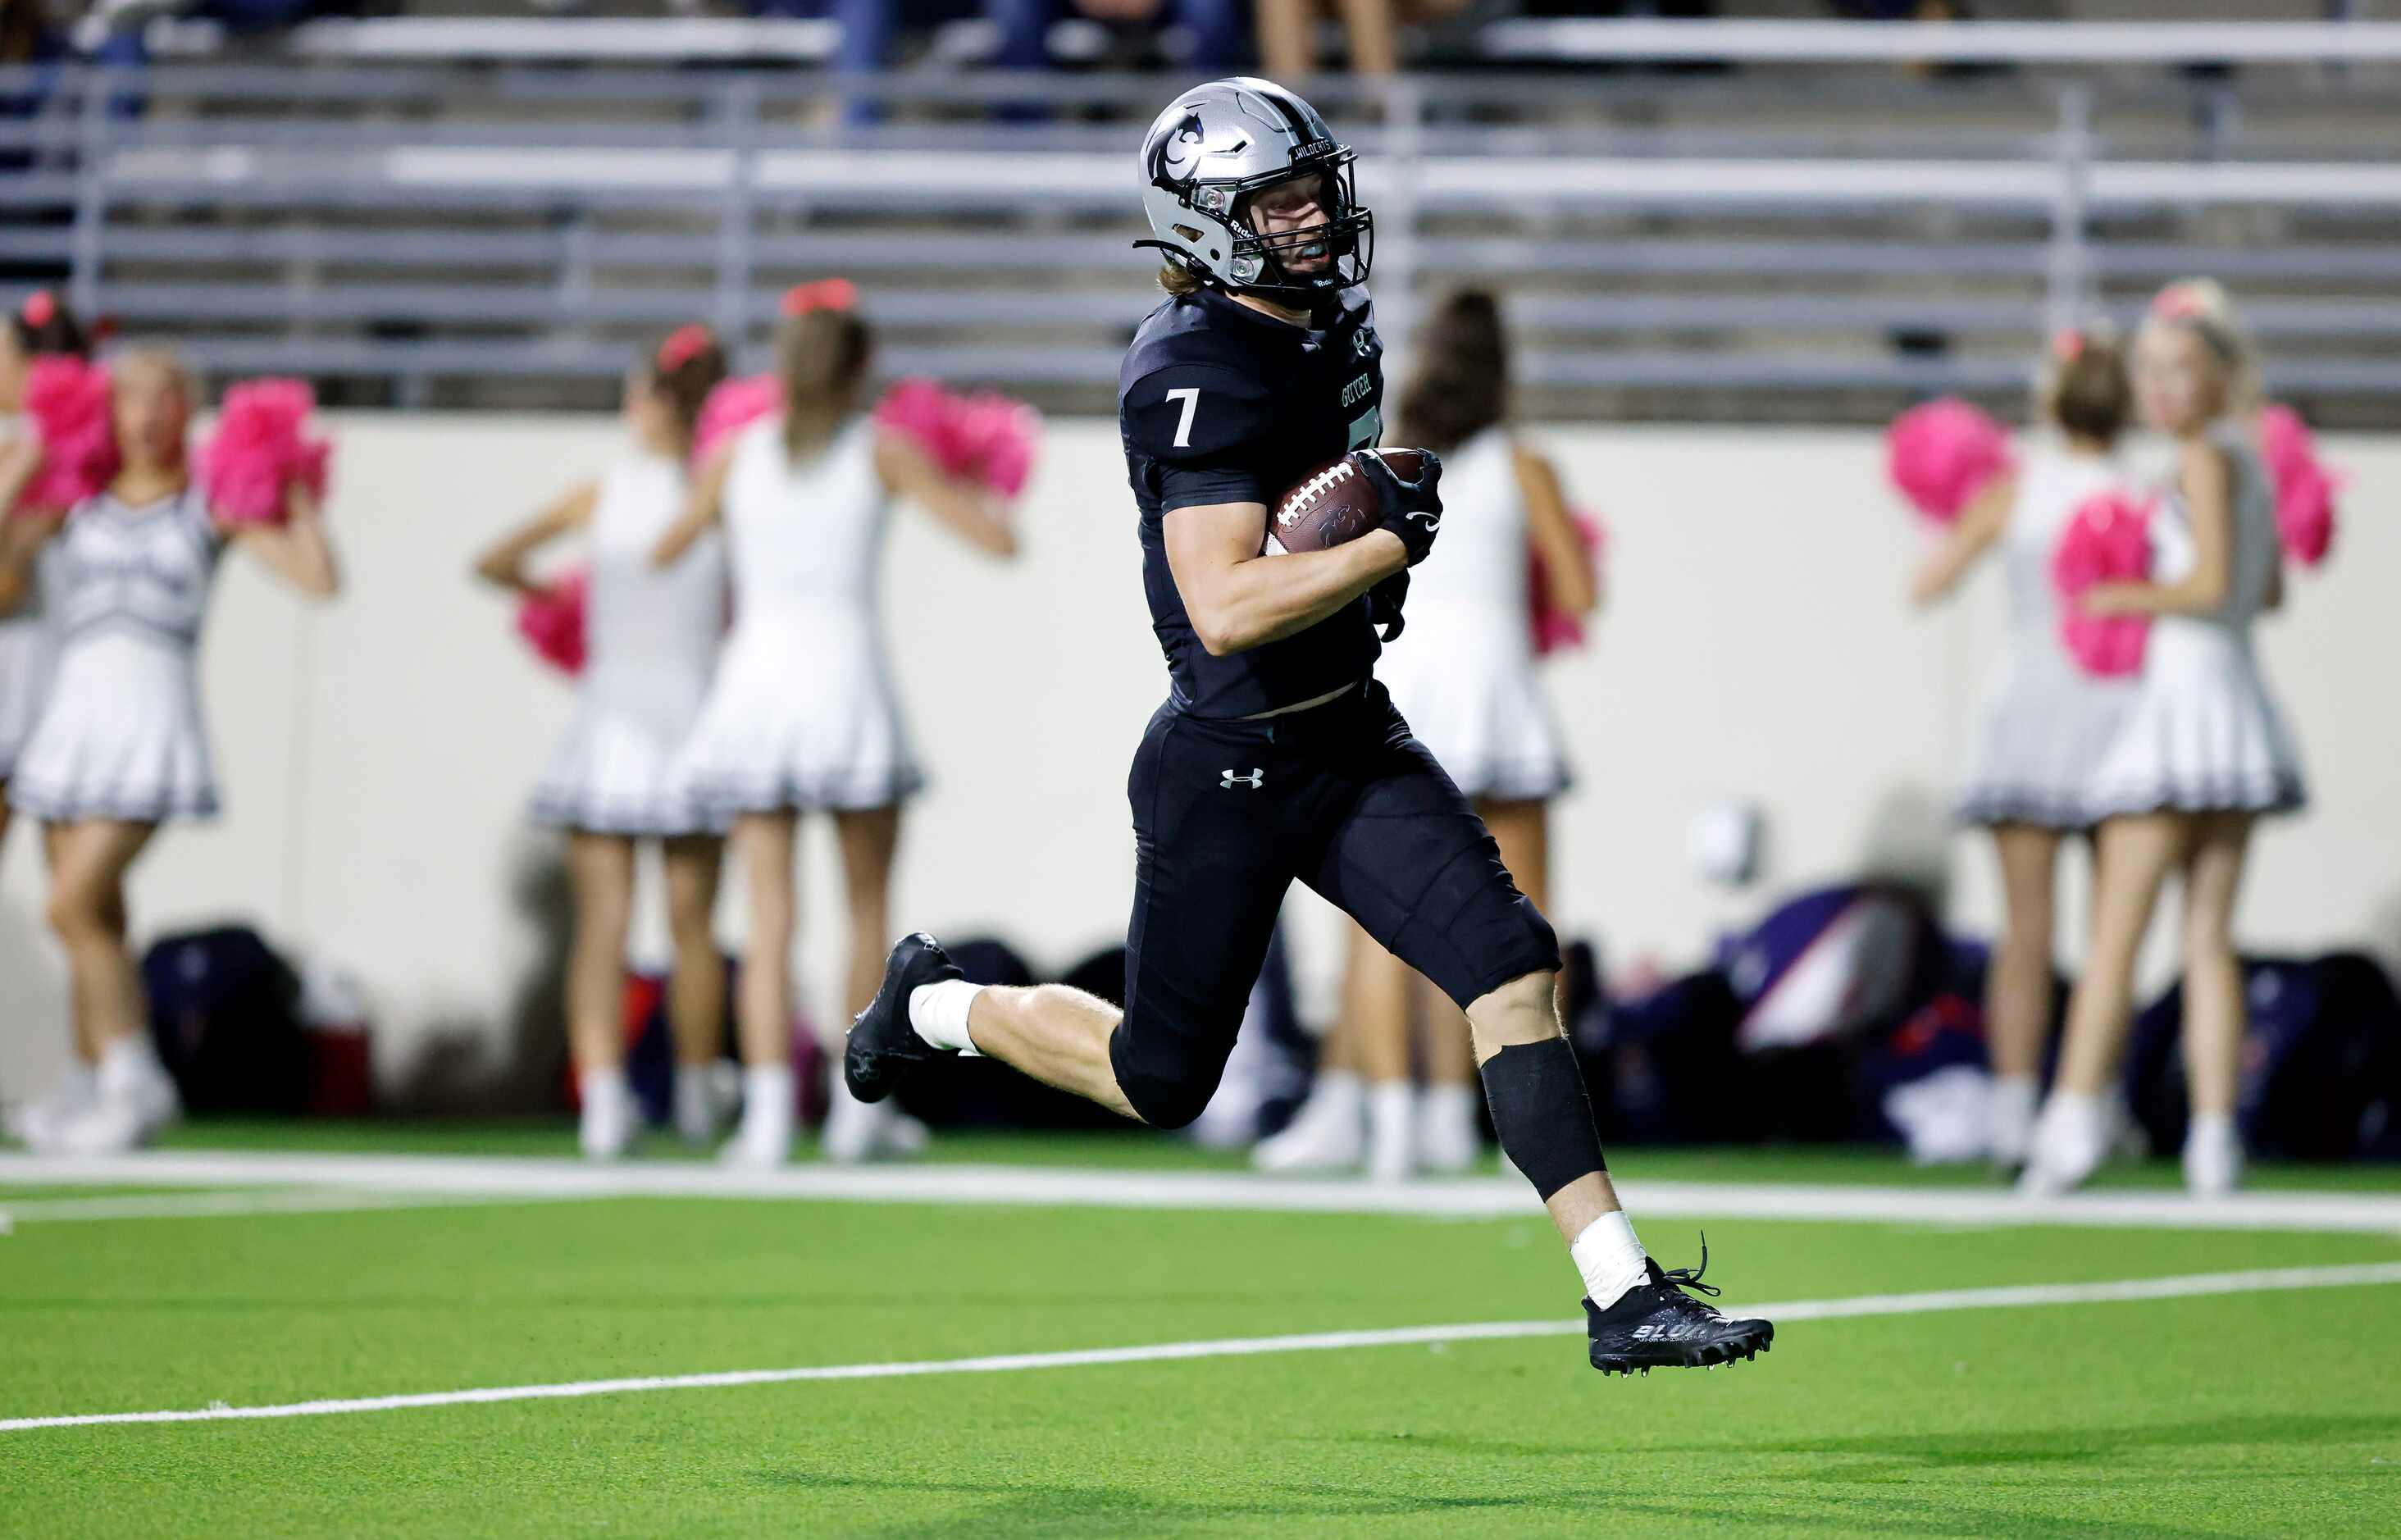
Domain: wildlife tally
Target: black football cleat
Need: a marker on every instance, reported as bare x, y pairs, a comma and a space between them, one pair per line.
1658, 1325
883, 1046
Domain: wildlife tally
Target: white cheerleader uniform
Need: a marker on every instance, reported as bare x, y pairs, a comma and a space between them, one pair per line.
2048, 723
27, 652
122, 734
801, 716
651, 645
1463, 670
2202, 734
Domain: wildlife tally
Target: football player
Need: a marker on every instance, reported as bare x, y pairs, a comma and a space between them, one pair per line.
1276, 757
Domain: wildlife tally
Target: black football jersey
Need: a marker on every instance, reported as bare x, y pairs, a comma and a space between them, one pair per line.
1217, 402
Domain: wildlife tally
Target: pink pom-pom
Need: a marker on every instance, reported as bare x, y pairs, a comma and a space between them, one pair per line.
257, 454
1942, 453
552, 621
2305, 487
734, 406
2285, 440
997, 438
67, 402
2305, 513
2107, 540
1556, 629
987, 438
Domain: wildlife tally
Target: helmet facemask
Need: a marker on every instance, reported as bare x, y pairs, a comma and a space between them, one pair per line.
1261, 264
1346, 239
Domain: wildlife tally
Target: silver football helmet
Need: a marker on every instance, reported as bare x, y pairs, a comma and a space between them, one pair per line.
1214, 149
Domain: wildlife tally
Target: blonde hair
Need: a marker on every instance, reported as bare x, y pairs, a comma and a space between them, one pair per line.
2200, 307
820, 356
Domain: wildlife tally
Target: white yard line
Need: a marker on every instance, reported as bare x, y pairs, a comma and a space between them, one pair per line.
237, 1204
2185, 1286
1086, 1188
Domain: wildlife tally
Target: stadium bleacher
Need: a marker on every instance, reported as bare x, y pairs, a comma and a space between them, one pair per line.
1820, 229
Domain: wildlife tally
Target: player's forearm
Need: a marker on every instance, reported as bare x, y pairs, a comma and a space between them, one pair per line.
1268, 599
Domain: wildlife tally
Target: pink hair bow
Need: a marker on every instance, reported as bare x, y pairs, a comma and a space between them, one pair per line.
825, 294
683, 344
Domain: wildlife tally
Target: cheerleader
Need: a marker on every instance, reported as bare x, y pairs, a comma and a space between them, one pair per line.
2048, 723
2202, 753
120, 747
650, 640
28, 648
1463, 675
801, 716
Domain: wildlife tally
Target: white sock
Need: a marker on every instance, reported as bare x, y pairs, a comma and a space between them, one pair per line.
939, 1013
1342, 1092
2014, 1098
1452, 1110
1609, 1258
2079, 1112
695, 1110
1392, 1106
80, 1082
602, 1084
767, 1092
125, 1063
2208, 1127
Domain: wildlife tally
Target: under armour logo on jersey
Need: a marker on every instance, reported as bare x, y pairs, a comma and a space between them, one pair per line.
1256, 779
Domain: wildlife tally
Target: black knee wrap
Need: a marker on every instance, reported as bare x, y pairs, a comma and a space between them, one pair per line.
1543, 1117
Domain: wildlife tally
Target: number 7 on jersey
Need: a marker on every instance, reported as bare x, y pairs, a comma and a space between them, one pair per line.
1191, 396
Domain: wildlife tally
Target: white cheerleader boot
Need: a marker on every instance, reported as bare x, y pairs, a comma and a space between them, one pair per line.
2213, 1156
902, 1137
1391, 1137
1327, 1133
37, 1122
698, 1109
2013, 1105
606, 1129
854, 1130
1448, 1139
764, 1140
2071, 1139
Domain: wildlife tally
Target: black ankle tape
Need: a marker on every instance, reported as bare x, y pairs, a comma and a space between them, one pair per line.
1545, 1119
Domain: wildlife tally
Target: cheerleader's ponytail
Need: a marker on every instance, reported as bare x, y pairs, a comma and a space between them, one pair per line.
822, 347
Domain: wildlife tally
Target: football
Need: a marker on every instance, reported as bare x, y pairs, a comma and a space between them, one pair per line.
1334, 504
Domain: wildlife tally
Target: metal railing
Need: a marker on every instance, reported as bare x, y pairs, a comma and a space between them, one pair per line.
1795, 243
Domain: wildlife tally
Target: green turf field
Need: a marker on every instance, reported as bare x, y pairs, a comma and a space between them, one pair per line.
2241, 1413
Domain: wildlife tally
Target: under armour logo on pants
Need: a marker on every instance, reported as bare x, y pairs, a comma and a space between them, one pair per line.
1256, 779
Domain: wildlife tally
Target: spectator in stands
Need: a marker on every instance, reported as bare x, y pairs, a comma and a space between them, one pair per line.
651, 643
1288, 33
801, 717
2203, 754
120, 747
1217, 31
2049, 724
1462, 672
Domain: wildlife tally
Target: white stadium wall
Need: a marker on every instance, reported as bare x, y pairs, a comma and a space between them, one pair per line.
376, 755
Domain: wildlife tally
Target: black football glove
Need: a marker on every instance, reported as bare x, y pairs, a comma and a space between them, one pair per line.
1384, 602
1411, 509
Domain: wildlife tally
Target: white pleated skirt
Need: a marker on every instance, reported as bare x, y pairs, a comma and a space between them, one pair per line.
28, 657
1465, 680
2047, 729
120, 735
2203, 734
801, 717
620, 768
